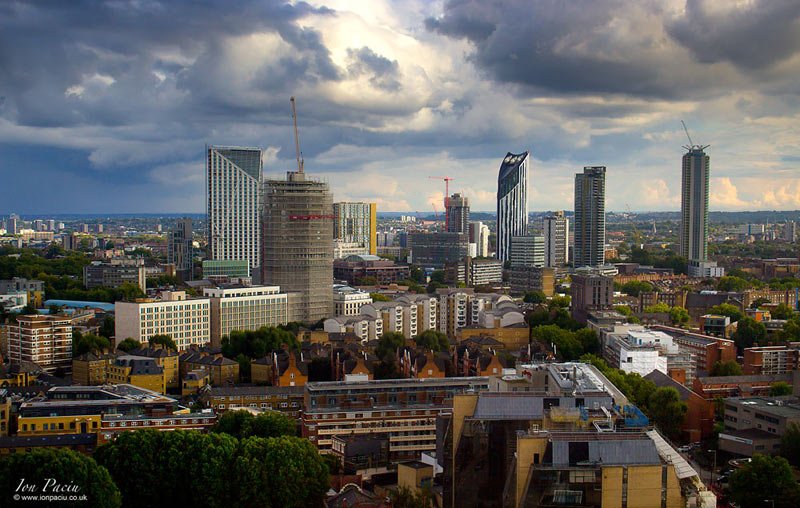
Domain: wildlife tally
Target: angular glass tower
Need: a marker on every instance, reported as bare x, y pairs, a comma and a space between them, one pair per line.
512, 202
233, 180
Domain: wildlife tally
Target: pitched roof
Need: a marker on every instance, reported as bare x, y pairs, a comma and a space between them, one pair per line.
662, 380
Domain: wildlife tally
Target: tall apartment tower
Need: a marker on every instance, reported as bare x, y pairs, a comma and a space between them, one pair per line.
233, 178
297, 248
512, 202
694, 204
590, 217
555, 229
457, 214
179, 247
479, 235
356, 223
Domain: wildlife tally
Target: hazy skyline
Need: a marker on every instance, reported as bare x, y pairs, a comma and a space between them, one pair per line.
108, 106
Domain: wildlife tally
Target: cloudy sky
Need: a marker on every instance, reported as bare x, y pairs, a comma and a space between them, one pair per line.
106, 106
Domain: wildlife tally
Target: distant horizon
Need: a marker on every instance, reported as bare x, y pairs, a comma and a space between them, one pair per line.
46, 215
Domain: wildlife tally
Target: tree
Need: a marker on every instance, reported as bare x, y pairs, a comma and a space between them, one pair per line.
758, 302
377, 297
732, 283
636, 287
147, 464
270, 424
763, 478
749, 332
625, 310
64, 466
129, 344
678, 315
280, 472
368, 280
566, 345
588, 339
107, 328
88, 343
727, 368
657, 308
233, 423
791, 330
790, 444
560, 301
534, 297
257, 343
726, 309
780, 389
438, 276
163, 340
403, 497
432, 339
244, 367
782, 311
667, 410
389, 343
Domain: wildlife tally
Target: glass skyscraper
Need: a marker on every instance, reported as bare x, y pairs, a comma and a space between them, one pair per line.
512, 202
590, 217
233, 178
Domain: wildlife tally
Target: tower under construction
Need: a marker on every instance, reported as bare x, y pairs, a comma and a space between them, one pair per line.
297, 243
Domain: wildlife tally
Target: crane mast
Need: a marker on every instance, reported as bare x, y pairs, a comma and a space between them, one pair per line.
296, 137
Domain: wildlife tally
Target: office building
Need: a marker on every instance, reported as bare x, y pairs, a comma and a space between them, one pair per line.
355, 224
479, 235
457, 214
43, 340
434, 250
347, 301
236, 307
527, 251
233, 178
706, 350
400, 411
524, 279
756, 424
694, 204
590, 293
115, 273
770, 359
298, 242
590, 217
475, 272
555, 229
187, 321
179, 248
361, 269
286, 399
230, 269
512, 202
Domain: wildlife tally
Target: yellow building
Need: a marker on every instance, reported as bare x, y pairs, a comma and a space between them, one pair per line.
261, 371
137, 371
414, 475
194, 381
511, 337
91, 369
165, 358
512, 449
22, 373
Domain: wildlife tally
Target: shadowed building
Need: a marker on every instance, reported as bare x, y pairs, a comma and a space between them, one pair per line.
512, 202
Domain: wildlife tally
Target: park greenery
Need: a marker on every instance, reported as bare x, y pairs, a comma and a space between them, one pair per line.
188, 468
256, 344
727, 368
432, 339
162, 340
242, 424
89, 343
569, 345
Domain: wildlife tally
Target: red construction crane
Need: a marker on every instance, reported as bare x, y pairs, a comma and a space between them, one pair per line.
447, 181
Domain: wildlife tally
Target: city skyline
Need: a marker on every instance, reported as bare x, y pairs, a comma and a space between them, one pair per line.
113, 112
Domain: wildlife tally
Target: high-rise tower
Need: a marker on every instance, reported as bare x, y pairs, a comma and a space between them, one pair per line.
555, 229
233, 176
694, 204
179, 247
590, 217
297, 248
356, 223
457, 214
512, 202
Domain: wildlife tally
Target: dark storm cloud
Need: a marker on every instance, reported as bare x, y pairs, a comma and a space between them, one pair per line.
383, 73
762, 34
615, 46
48, 47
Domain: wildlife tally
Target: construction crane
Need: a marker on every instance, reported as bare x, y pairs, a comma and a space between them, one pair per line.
296, 137
447, 181
691, 146
636, 235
